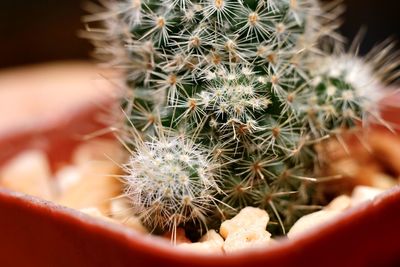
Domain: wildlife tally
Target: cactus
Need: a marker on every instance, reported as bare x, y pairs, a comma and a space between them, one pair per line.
227, 100
171, 180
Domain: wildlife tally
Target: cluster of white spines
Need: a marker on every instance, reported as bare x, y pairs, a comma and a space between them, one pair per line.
170, 181
354, 71
233, 94
199, 35
347, 90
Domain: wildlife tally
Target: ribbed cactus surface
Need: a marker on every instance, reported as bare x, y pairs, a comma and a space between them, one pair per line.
227, 100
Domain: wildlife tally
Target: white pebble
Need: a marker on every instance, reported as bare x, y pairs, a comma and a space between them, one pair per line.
211, 242
246, 218
362, 194
67, 177
308, 222
96, 188
246, 230
247, 238
383, 181
340, 203
29, 173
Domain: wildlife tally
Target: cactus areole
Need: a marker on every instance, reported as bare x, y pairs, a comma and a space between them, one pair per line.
227, 100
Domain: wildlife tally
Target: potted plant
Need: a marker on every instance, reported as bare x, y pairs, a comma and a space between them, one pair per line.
230, 107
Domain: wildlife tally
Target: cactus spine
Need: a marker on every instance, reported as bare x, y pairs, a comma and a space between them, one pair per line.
229, 97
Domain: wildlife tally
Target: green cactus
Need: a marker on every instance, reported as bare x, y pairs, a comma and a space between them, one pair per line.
171, 181
243, 90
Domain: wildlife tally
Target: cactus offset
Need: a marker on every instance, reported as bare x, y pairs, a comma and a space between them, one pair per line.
171, 181
246, 87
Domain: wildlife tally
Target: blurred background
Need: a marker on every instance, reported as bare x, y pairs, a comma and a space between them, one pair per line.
46, 30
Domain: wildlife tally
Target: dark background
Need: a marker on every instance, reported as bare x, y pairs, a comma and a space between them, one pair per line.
33, 31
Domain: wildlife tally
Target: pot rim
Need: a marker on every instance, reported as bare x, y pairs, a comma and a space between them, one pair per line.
155, 246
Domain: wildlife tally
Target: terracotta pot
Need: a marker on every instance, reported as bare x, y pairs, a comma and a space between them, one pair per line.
34, 232
38, 233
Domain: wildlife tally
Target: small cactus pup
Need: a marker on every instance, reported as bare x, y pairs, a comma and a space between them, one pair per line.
170, 181
227, 99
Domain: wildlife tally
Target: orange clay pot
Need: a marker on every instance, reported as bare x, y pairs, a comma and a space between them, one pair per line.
38, 233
